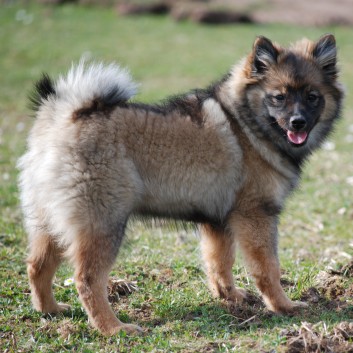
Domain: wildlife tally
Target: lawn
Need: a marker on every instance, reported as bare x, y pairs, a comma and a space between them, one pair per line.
172, 302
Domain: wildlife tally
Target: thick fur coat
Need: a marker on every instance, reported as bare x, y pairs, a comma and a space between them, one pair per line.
225, 157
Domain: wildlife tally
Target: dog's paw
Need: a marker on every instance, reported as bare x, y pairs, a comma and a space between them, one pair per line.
236, 296
297, 305
61, 307
239, 295
129, 329
291, 308
301, 304
54, 308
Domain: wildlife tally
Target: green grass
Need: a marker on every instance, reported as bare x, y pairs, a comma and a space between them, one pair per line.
173, 303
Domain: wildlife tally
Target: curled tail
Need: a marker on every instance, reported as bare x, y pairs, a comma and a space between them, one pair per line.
84, 86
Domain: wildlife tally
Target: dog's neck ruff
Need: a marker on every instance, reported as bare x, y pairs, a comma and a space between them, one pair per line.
276, 157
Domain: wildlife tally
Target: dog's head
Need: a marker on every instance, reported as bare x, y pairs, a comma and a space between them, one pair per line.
294, 92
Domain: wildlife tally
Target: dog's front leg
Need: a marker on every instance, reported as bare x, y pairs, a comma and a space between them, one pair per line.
256, 233
218, 250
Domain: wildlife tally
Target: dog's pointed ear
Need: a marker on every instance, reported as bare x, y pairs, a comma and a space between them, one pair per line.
264, 55
325, 53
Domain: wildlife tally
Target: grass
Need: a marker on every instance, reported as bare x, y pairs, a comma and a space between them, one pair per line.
173, 303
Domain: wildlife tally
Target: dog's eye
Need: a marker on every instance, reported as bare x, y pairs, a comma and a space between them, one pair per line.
279, 98
312, 97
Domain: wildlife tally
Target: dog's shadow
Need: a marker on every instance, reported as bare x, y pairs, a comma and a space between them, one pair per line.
220, 316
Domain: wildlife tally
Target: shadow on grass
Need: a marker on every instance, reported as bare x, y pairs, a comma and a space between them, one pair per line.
213, 318
219, 316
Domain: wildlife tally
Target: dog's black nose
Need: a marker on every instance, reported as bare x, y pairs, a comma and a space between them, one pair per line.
297, 123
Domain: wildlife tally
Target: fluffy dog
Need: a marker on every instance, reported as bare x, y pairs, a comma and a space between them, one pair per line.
225, 157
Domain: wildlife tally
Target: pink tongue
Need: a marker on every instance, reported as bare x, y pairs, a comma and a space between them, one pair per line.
297, 137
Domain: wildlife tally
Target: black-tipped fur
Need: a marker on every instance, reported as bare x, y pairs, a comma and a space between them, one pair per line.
265, 54
104, 103
188, 104
325, 52
42, 90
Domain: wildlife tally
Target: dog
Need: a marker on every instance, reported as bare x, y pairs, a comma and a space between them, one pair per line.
225, 157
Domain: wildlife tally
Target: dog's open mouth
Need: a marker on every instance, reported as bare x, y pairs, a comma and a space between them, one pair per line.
297, 137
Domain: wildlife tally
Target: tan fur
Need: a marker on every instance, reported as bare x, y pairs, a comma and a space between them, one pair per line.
211, 157
218, 249
42, 262
255, 232
91, 278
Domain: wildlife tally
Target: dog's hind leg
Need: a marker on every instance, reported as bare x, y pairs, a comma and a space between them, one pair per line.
93, 256
42, 262
218, 250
